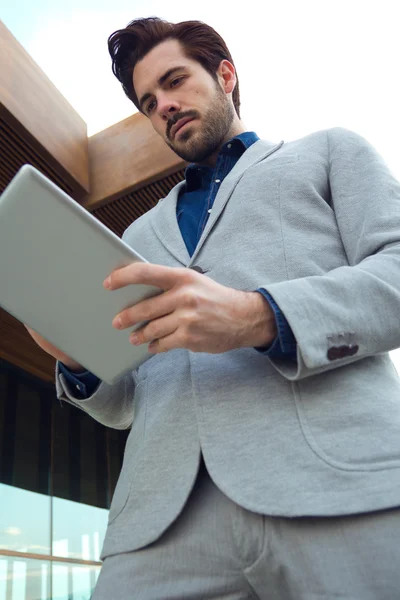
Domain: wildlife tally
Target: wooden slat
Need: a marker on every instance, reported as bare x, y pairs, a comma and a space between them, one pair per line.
125, 157
36, 104
121, 212
18, 148
18, 348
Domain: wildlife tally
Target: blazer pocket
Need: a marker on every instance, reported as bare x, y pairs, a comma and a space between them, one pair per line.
350, 416
133, 448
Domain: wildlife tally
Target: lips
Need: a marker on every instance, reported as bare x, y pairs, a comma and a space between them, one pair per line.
180, 124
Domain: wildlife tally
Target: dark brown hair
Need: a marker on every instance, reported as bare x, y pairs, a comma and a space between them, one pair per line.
199, 41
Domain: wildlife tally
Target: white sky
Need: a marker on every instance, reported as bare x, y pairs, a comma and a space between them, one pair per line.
303, 65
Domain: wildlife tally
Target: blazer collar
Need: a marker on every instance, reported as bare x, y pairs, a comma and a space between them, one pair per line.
165, 223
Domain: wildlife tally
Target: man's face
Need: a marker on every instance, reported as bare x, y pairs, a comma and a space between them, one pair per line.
171, 89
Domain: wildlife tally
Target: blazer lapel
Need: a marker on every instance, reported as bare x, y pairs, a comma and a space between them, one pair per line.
165, 223
256, 153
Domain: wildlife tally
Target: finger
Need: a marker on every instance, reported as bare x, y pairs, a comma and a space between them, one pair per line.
147, 310
155, 330
179, 338
169, 342
147, 274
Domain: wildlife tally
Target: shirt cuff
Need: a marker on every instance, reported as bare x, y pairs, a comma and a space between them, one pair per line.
284, 345
83, 384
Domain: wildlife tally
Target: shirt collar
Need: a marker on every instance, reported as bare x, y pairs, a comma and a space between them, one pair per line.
197, 175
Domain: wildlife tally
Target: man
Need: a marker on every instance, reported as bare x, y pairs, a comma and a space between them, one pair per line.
264, 456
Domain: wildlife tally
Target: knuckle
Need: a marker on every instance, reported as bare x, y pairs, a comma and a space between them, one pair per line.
185, 338
151, 332
188, 329
188, 276
187, 320
126, 318
193, 342
189, 298
143, 314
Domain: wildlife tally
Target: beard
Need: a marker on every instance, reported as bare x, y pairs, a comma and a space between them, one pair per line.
197, 146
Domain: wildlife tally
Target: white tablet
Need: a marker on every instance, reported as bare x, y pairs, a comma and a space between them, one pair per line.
54, 257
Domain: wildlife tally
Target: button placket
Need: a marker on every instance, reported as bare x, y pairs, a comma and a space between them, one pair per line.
211, 196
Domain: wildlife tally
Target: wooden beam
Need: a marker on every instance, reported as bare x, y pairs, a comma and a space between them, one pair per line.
126, 157
17, 347
34, 102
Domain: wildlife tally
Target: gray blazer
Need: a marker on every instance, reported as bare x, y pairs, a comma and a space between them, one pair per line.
316, 222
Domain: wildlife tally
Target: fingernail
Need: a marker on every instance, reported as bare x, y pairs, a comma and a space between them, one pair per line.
107, 282
134, 339
117, 323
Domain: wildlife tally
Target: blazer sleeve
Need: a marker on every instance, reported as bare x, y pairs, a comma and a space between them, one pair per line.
110, 405
352, 311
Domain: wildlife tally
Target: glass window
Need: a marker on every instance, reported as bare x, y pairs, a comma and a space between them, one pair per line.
78, 529
24, 520
58, 469
73, 582
24, 579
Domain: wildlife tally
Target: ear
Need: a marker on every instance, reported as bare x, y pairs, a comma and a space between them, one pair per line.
227, 76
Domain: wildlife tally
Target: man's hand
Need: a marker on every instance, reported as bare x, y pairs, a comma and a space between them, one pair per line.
193, 312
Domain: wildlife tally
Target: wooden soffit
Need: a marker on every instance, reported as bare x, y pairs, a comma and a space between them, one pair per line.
126, 157
36, 120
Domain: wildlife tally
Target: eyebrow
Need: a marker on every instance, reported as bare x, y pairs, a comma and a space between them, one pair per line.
160, 82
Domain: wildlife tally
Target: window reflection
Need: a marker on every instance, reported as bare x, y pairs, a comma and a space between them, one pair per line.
73, 582
78, 529
29, 579
24, 520
24, 579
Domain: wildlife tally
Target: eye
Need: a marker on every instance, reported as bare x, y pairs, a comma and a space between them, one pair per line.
150, 106
176, 81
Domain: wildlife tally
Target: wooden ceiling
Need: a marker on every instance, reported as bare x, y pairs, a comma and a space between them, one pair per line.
118, 174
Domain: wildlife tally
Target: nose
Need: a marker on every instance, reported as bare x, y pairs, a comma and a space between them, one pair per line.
167, 106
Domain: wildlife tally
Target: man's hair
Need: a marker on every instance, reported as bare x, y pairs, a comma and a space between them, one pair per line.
199, 41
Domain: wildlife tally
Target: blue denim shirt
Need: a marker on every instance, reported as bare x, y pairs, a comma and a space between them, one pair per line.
193, 210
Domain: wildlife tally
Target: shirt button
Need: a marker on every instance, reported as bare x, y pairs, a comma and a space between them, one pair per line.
229, 146
209, 210
217, 181
78, 388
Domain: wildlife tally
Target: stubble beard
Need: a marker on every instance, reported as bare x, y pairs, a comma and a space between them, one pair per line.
197, 146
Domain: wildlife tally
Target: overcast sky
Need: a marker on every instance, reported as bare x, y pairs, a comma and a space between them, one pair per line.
303, 65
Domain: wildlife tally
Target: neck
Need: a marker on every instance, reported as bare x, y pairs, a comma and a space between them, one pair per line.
237, 128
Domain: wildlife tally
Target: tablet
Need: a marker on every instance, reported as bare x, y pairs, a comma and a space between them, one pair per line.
54, 257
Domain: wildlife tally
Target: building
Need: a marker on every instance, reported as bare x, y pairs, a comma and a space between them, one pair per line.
58, 467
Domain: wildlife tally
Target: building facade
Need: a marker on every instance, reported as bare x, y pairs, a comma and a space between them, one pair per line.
58, 469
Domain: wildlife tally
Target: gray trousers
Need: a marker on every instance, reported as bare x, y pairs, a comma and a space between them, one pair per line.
218, 550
